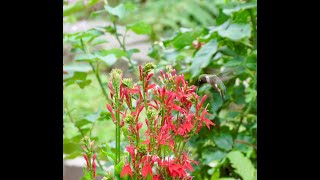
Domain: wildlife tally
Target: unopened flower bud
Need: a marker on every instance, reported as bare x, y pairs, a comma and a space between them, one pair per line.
151, 113
91, 144
143, 149
116, 77
148, 67
129, 119
128, 82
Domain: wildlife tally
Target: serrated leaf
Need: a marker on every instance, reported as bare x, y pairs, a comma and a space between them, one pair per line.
242, 165
224, 141
203, 57
140, 28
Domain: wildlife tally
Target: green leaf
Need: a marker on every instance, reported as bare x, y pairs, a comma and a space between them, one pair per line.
117, 52
132, 51
118, 11
238, 61
140, 28
88, 36
227, 51
224, 141
82, 122
73, 8
83, 84
203, 57
239, 7
213, 157
242, 165
87, 174
217, 101
98, 41
85, 57
107, 151
93, 117
216, 174
236, 32
118, 167
110, 29
104, 115
252, 94
109, 154
221, 18
79, 78
109, 59
241, 146
182, 39
227, 178
155, 52
71, 147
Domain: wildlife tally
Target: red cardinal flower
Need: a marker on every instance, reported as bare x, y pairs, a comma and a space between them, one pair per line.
130, 150
87, 160
146, 170
173, 110
126, 170
94, 167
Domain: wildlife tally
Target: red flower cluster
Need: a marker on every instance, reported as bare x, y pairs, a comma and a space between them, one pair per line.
90, 164
174, 114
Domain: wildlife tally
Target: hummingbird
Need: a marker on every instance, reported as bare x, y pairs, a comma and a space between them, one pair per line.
215, 82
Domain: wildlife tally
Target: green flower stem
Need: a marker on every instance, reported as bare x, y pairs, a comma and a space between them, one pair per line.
241, 120
95, 71
82, 135
180, 151
144, 94
122, 44
72, 120
117, 127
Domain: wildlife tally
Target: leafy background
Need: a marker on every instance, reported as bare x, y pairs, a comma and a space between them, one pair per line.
227, 30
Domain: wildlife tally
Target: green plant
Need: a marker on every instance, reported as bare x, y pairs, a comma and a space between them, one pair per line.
228, 49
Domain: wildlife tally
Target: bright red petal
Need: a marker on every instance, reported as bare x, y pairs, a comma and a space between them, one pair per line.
126, 170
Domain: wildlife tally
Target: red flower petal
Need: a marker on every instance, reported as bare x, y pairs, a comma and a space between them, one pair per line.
146, 170
126, 170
